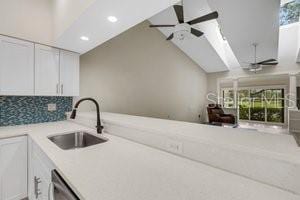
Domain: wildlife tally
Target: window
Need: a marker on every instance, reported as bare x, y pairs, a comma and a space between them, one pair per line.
290, 12
244, 104
275, 105
228, 98
257, 108
257, 104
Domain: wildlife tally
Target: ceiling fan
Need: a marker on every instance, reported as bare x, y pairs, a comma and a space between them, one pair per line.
257, 66
183, 28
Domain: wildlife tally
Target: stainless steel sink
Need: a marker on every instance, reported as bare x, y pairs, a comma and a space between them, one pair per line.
76, 140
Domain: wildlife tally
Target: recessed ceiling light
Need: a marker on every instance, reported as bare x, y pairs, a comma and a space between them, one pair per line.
84, 38
112, 19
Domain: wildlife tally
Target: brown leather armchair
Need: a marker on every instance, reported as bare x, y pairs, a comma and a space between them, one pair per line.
217, 115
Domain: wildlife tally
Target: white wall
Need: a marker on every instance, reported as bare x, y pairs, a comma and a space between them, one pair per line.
27, 19
140, 73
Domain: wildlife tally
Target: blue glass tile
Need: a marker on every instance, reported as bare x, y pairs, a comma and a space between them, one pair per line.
17, 110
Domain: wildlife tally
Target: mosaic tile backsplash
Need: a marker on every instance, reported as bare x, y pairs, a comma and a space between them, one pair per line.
17, 110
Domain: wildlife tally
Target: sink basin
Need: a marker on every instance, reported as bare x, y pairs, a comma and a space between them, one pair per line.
76, 140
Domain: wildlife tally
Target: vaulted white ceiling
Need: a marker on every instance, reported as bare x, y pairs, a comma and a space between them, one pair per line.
242, 22
201, 50
245, 22
93, 22
198, 49
61, 23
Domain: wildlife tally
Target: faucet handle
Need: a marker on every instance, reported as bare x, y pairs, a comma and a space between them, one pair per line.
99, 128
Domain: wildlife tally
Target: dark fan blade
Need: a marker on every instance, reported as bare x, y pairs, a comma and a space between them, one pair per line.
196, 32
179, 13
152, 26
266, 61
274, 63
170, 37
210, 16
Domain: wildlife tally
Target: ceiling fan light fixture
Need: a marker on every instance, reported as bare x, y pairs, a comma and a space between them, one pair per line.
255, 69
257, 66
182, 31
182, 35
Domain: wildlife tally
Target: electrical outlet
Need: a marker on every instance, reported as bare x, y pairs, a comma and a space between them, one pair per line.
51, 107
175, 146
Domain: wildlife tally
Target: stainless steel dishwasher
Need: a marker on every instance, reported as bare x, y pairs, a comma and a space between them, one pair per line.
60, 189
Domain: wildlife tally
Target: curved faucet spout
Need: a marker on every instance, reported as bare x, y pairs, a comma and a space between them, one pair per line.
73, 114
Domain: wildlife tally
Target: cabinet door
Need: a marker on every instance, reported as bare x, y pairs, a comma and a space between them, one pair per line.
16, 67
69, 73
41, 179
13, 168
46, 71
39, 170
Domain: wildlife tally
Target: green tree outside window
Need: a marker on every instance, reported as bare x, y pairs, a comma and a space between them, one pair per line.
290, 13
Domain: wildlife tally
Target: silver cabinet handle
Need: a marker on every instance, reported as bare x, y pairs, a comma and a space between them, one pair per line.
37, 191
62, 88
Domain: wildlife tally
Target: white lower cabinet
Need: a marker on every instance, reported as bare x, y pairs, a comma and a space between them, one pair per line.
13, 168
41, 179
40, 167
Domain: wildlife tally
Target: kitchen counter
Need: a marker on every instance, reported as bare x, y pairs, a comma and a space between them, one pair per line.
297, 138
121, 169
279, 143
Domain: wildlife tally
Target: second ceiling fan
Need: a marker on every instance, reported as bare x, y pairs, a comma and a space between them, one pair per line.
186, 27
257, 66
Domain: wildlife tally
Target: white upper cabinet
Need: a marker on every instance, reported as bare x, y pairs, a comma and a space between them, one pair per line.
46, 71
16, 67
69, 73
34, 69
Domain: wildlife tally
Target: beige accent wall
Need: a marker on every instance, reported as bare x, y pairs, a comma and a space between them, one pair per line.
140, 73
27, 19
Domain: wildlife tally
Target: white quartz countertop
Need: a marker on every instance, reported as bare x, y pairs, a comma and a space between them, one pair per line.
123, 170
285, 145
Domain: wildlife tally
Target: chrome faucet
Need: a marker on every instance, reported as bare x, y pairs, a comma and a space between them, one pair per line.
73, 114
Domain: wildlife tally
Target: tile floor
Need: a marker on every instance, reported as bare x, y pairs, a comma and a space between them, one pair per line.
266, 128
